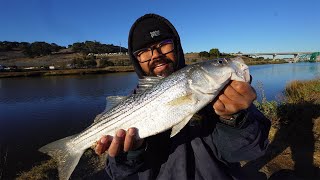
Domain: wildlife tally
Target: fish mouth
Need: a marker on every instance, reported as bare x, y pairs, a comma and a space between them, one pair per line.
246, 75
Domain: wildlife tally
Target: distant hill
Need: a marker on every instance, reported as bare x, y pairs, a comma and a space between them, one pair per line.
45, 54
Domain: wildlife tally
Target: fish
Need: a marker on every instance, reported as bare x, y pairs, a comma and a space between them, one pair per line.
161, 104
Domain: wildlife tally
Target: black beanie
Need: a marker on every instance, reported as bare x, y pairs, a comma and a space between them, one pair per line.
140, 37
149, 31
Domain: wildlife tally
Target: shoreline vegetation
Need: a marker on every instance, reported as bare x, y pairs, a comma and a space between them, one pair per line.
85, 71
116, 63
293, 153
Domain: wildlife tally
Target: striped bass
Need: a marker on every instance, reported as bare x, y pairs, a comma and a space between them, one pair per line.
168, 104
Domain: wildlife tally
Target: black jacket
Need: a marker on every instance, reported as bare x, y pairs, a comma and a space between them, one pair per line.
204, 149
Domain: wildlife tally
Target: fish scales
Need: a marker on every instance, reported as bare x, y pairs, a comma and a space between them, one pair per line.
103, 127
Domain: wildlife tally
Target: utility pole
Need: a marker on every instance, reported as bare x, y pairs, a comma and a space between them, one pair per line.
120, 47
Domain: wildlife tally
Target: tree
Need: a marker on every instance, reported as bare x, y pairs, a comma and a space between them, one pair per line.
95, 47
78, 63
90, 63
214, 52
55, 47
38, 49
204, 54
104, 63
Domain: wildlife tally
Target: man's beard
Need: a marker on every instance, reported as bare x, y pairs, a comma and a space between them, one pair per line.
162, 61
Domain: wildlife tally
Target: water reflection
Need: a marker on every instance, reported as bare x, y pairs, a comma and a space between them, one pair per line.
64, 103
274, 77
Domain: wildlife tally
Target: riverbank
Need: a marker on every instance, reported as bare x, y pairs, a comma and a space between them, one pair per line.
109, 69
294, 151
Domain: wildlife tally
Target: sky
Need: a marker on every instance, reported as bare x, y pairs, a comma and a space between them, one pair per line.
248, 26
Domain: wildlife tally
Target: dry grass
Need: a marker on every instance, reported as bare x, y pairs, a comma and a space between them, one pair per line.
89, 167
46, 170
303, 91
294, 151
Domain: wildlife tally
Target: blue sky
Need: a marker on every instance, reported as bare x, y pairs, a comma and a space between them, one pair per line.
248, 26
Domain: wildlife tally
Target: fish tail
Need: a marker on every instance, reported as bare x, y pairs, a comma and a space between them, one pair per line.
66, 157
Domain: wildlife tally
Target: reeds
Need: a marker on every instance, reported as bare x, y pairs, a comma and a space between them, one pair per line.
303, 91
297, 94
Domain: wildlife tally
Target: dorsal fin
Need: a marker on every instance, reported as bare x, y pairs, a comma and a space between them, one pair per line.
111, 101
147, 82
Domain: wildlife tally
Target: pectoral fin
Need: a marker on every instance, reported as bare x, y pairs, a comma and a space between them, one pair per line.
187, 99
113, 101
176, 129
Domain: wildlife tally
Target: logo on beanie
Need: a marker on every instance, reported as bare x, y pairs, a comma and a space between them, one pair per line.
155, 33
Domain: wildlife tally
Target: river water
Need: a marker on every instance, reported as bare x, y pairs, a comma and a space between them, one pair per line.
37, 110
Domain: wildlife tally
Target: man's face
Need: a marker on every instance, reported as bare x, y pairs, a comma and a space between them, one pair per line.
157, 59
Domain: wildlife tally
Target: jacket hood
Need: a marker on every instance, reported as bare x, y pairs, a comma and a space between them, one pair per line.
146, 27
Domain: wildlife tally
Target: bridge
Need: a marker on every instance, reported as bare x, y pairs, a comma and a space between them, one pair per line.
296, 55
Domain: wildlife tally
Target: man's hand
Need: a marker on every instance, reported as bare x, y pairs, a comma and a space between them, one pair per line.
235, 97
122, 141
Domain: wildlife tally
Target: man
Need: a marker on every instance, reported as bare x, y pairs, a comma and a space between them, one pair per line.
228, 130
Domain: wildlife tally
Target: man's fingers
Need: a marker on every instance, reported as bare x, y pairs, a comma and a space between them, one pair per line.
129, 139
232, 94
99, 146
245, 89
218, 107
230, 106
106, 143
117, 143
122, 141
103, 144
225, 100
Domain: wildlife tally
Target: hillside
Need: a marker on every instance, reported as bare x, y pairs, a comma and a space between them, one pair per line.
61, 58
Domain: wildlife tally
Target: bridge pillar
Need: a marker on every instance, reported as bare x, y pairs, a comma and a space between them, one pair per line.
295, 57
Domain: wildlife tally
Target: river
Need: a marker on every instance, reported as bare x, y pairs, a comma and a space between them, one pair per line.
38, 110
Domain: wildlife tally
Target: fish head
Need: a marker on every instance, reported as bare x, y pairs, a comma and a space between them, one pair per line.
222, 66
211, 76
241, 69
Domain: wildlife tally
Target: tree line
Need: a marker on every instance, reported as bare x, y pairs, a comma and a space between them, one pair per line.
43, 48
96, 48
31, 49
213, 53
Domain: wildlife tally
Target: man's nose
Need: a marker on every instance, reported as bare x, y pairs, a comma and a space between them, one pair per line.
155, 54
